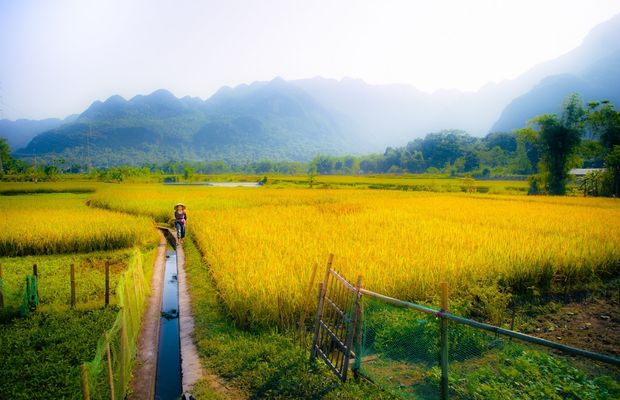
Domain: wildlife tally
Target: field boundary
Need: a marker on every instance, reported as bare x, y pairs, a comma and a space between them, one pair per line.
144, 374
108, 374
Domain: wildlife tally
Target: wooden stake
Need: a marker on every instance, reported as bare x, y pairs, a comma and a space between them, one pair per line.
444, 296
72, 273
107, 283
319, 309
85, 387
443, 340
109, 362
302, 318
35, 272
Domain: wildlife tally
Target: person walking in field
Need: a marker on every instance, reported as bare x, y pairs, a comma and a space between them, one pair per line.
180, 221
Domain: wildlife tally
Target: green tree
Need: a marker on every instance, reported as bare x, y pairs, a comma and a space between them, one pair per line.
559, 137
5, 156
605, 123
528, 150
612, 162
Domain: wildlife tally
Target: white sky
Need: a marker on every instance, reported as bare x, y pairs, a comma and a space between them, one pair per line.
56, 57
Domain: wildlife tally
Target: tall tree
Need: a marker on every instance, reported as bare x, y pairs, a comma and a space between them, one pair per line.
605, 122
559, 137
612, 161
6, 160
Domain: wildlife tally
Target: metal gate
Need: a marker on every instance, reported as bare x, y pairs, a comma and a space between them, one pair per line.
337, 317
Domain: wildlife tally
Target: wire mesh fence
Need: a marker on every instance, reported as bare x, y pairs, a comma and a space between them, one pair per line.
107, 375
484, 365
400, 350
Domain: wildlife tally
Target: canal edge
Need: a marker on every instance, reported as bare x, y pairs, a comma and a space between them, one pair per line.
191, 368
145, 369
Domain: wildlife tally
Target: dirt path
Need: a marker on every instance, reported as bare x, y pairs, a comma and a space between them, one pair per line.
193, 371
144, 372
190, 363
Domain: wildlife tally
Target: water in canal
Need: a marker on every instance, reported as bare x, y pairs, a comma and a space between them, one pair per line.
168, 381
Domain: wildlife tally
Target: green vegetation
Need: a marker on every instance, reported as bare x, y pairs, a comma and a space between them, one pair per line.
263, 364
40, 356
54, 285
518, 372
402, 347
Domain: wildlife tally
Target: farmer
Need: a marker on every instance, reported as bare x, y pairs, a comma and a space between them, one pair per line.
180, 220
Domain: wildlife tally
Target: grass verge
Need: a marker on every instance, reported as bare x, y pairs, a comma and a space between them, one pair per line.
262, 364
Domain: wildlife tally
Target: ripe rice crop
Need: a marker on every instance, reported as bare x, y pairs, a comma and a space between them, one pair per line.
263, 243
62, 223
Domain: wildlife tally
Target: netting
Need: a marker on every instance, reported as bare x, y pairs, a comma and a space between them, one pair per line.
399, 349
110, 369
22, 296
30, 296
488, 366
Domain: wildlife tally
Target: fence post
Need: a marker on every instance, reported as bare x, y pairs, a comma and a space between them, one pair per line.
302, 317
72, 273
352, 328
35, 272
443, 355
1, 289
107, 283
109, 363
85, 387
319, 310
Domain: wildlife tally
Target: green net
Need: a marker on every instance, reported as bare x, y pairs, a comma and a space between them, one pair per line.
488, 366
30, 297
111, 367
399, 349
19, 296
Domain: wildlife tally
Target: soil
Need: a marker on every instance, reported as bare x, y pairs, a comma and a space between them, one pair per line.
592, 324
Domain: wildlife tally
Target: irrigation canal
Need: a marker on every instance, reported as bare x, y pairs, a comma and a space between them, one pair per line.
168, 379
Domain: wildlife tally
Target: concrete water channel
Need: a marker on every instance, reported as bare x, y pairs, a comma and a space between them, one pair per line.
168, 379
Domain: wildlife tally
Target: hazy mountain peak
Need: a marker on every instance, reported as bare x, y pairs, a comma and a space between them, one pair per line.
114, 100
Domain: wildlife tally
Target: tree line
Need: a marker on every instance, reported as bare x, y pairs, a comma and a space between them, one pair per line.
545, 150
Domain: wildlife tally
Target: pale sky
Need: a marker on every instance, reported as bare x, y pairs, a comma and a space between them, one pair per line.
57, 57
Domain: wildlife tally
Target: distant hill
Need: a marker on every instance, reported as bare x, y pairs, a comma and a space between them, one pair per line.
593, 70
267, 120
19, 133
295, 120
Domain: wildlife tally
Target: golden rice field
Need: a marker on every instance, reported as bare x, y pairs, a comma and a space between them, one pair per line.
262, 243
63, 223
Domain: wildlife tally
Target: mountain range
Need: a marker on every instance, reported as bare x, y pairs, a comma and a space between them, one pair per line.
294, 120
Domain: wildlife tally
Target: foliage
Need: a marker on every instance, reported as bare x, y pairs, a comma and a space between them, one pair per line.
402, 334
53, 281
612, 161
605, 122
519, 373
261, 364
132, 291
558, 138
40, 355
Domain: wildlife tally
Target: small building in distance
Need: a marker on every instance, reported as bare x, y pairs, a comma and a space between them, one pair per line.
581, 172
